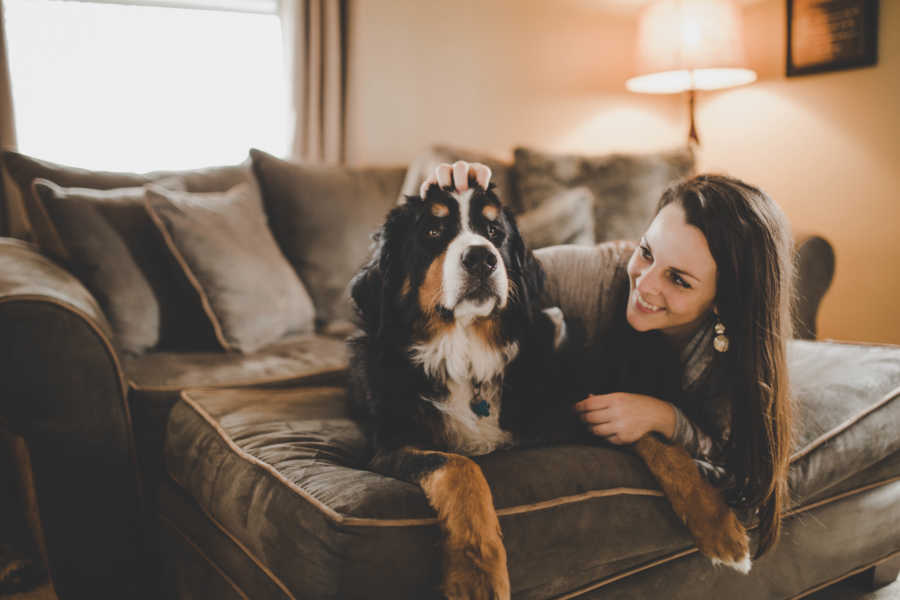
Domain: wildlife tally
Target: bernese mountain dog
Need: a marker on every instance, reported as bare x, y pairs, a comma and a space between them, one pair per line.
456, 358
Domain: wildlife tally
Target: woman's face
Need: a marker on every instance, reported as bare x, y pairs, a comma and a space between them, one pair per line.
672, 276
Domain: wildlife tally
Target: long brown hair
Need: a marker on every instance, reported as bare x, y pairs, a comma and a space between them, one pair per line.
750, 241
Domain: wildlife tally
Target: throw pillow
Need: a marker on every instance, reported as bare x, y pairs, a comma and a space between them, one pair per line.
24, 169
626, 187
424, 164
222, 242
95, 253
323, 218
566, 218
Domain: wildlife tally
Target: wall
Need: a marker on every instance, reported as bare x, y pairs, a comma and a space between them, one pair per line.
495, 73
489, 74
827, 147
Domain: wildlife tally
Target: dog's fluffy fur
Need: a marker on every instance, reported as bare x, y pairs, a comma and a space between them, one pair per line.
453, 336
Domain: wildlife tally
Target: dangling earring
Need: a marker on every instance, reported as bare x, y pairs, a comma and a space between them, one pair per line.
720, 342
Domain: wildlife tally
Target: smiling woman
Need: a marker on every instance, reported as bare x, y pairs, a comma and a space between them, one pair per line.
147, 84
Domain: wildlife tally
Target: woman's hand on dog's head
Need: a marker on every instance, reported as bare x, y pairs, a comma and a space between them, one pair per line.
457, 176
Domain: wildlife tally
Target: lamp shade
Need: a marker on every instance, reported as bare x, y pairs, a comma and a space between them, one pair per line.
690, 45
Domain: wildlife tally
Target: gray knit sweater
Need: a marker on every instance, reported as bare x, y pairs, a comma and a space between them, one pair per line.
585, 281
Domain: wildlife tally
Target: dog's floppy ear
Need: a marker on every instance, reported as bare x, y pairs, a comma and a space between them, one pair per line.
525, 270
373, 289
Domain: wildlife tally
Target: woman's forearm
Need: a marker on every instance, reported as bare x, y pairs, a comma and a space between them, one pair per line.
665, 420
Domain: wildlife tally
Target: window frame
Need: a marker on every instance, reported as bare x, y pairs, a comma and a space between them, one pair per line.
265, 7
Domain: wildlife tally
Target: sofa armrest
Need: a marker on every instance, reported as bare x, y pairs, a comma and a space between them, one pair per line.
64, 393
814, 272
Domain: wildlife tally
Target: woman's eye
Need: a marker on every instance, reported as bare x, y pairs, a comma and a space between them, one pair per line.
645, 252
679, 281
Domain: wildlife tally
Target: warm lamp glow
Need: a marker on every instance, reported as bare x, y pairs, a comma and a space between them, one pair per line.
670, 82
690, 45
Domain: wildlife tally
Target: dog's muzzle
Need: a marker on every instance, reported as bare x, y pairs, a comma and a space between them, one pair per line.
474, 276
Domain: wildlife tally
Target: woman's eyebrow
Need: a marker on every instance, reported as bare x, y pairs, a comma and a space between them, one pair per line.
683, 272
676, 269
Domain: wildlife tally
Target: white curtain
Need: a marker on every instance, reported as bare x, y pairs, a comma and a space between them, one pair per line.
12, 217
314, 37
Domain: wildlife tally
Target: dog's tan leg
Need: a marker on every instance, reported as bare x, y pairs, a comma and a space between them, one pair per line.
715, 528
473, 553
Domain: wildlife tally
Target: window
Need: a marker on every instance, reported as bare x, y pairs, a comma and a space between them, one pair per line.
150, 84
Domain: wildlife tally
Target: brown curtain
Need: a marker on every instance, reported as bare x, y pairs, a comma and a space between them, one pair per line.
315, 43
12, 217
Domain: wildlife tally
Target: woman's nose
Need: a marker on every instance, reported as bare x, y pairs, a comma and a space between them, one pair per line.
648, 282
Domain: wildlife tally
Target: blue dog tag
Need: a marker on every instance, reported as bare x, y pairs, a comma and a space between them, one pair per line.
482, 408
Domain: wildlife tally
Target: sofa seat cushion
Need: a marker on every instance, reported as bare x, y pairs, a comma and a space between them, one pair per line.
291, 359
847, 413
283, 471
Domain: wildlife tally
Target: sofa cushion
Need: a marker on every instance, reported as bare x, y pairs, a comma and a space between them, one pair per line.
565, 218
323, 218
24, 169
222, 242
291, 359
424, 164
107, 240
626, 187
570, 514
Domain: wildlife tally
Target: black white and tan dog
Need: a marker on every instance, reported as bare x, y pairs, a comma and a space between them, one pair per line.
458, 359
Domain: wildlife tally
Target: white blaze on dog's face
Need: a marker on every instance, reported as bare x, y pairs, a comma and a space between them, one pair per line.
474, 280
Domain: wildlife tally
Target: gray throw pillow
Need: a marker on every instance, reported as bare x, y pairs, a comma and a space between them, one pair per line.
106, 240
423, 166
626, 187
222, 242
566, 218
323, 218
97, 255
24, 169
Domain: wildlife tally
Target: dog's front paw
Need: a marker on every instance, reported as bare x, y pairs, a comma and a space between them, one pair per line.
477, 571
723, 540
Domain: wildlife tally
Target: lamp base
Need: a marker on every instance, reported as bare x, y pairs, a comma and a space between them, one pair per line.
693, 138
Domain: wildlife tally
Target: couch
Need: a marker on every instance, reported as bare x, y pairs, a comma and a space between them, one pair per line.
193, 441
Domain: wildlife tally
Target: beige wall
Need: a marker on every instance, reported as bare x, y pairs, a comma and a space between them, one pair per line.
827, 147
489, 74
495, 73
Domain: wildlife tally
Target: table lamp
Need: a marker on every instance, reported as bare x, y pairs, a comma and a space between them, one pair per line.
690, 45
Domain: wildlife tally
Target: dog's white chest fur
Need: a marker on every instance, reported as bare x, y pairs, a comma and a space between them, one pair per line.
472, 371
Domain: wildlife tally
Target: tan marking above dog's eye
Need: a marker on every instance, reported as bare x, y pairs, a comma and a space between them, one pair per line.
439, 210
490, 212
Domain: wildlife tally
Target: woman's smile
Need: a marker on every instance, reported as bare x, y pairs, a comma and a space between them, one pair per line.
642, 305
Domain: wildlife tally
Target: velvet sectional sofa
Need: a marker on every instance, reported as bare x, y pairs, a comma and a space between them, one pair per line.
171, 351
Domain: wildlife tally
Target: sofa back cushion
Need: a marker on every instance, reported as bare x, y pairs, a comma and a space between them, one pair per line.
106, 239
625, 187
222, 242
323, 218
24, 169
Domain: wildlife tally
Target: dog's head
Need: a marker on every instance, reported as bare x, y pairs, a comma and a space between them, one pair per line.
446, 257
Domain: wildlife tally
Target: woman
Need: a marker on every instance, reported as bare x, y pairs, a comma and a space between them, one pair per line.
708, 291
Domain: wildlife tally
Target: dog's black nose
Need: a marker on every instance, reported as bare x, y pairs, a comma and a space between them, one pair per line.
479, 260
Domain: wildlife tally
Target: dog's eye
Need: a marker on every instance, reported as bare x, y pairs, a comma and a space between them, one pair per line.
434, 232
493, 231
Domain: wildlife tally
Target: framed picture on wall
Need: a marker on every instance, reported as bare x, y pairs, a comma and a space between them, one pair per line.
829, 35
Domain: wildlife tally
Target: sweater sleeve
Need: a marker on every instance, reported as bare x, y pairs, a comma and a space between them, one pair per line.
584, 281
707, 452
